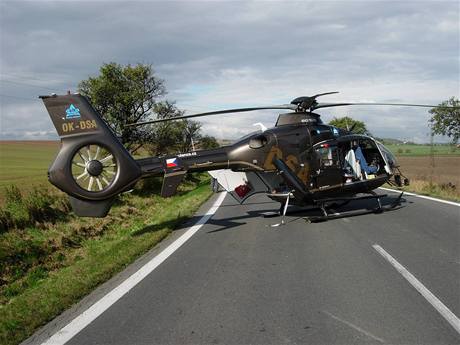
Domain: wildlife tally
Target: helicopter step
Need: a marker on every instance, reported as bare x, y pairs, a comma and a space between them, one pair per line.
322, 205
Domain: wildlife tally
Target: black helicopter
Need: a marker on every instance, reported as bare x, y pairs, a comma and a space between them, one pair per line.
301, 160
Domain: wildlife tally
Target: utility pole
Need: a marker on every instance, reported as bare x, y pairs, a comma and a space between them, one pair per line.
193, 144
431, 157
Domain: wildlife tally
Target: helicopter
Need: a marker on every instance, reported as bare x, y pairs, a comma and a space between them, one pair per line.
300, 161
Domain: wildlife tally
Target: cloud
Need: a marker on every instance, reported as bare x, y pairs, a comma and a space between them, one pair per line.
230, 54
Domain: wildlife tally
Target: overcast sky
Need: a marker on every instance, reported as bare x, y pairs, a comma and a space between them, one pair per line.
217, 54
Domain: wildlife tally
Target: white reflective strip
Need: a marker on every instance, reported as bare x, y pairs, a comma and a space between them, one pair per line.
423, 197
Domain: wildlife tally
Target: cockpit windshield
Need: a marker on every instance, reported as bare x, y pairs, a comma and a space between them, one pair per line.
389, 157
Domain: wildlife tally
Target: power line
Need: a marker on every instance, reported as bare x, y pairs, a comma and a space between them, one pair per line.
26, 84
23, 98
13, 76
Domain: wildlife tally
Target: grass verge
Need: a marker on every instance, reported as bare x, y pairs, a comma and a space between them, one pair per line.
441, 191
50, 266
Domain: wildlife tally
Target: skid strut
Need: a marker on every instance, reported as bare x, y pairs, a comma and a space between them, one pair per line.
283, 208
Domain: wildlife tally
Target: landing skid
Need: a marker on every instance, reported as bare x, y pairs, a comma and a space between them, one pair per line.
326, 216
325, 204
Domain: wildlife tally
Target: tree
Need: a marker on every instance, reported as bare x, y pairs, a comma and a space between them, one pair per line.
123, 95
191, 134
172, 136
348, 123
208, 142
446, 121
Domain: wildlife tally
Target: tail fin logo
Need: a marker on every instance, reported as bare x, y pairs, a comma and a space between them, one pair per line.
72, 112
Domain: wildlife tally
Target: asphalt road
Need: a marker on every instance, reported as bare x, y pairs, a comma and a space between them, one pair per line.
240, 281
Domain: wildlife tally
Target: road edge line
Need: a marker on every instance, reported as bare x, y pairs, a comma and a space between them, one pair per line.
445, 312
89, 315
453, 203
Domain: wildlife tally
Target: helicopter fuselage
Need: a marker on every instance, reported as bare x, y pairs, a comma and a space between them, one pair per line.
300, 155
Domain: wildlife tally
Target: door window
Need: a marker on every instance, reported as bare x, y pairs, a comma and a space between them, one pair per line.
327, 155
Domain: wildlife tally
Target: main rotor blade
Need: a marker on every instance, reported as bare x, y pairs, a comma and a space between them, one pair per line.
227, 111
325, 93
329, 105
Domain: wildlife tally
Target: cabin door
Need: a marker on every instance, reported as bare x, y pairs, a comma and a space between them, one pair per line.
329, 170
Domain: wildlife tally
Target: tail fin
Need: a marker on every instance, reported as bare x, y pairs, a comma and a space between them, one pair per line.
92, 165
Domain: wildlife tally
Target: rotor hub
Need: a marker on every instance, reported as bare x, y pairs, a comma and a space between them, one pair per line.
94, 167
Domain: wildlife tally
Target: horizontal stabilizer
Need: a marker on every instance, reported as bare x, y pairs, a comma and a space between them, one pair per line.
170, 183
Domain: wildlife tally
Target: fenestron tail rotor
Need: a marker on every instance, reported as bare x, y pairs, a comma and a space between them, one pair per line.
94, 168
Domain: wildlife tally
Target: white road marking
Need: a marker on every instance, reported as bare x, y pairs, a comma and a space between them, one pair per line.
359, 329
85, 318
423, 197
432, 299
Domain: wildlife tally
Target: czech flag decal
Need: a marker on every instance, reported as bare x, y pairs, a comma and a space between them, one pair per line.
172, 163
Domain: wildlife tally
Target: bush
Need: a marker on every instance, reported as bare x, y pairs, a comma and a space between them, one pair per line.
40, 205
149, 186
14, 214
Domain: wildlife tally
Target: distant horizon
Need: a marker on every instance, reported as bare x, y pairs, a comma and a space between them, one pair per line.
58, 140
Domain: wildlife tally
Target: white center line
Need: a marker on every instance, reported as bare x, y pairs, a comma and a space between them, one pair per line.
88, 316
432, 299
359, 329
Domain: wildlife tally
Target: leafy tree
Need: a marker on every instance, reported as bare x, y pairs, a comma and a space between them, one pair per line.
446, 121
123, 95
348, 123
172, 136
208, 142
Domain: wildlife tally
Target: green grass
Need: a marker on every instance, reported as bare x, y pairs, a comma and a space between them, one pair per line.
25, 163
48, 267
423, 150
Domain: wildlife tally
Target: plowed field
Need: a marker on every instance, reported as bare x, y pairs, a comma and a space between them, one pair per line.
446, 169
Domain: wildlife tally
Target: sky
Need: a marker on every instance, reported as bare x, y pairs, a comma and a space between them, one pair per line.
216, 54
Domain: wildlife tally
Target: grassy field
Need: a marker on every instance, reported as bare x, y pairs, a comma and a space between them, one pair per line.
25, 163
423, 150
